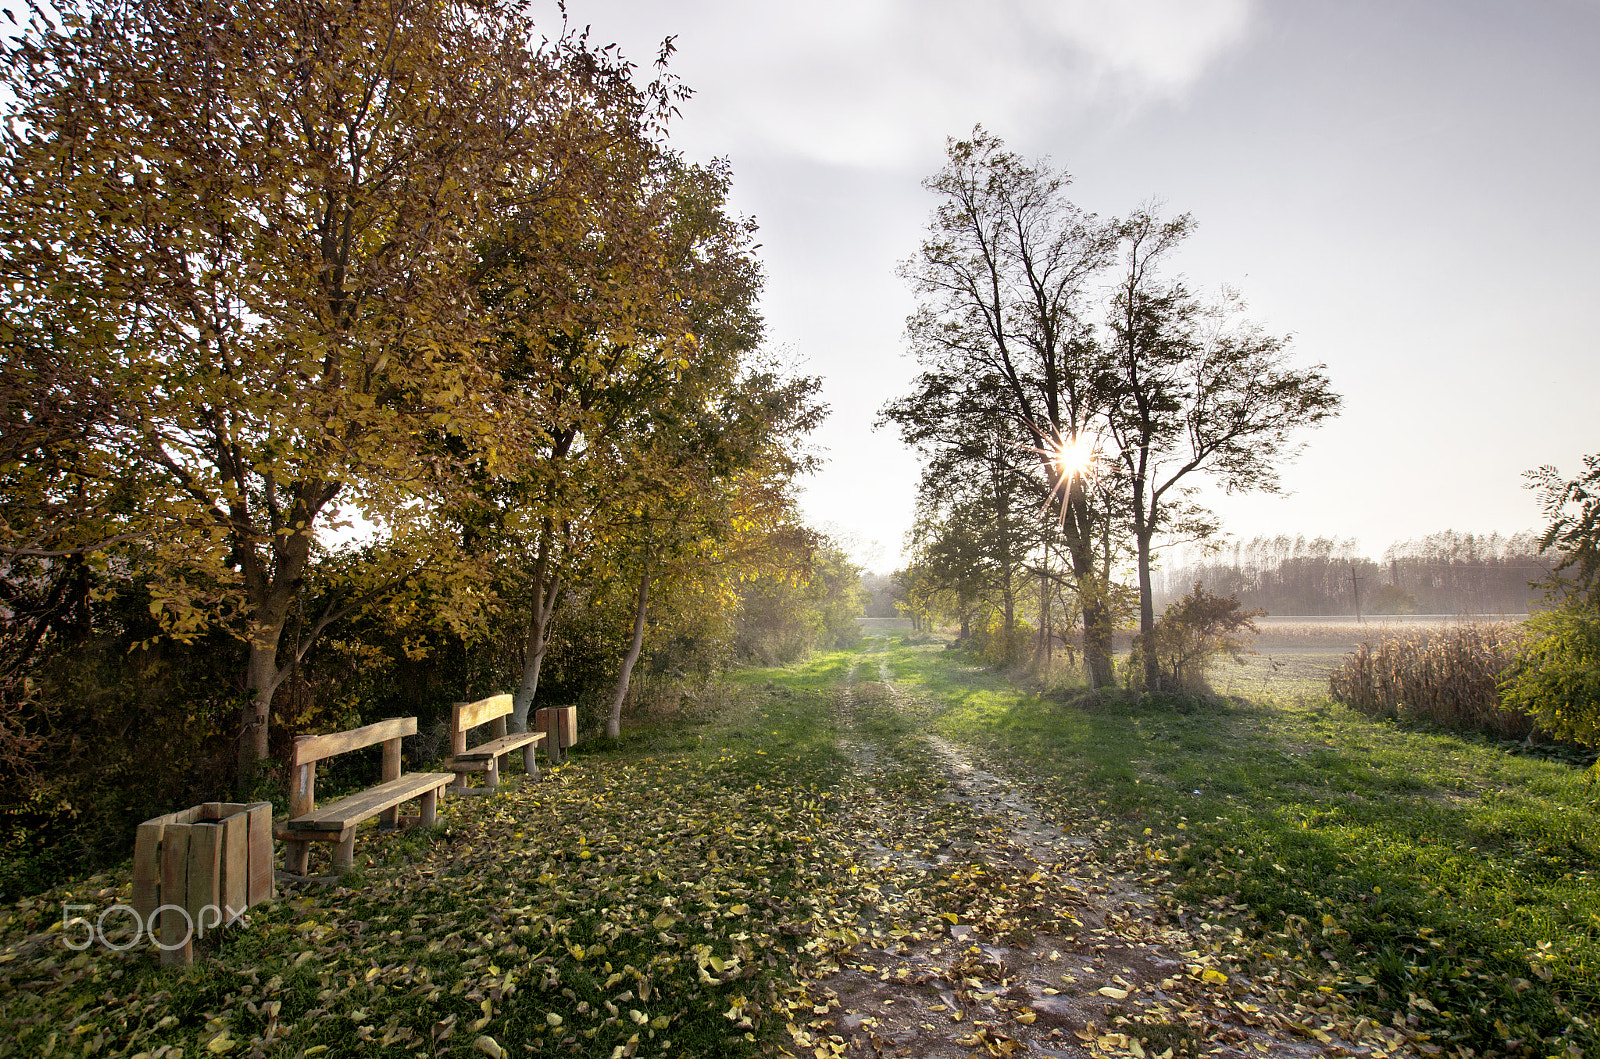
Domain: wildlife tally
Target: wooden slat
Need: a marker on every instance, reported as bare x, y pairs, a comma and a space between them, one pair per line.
182, 816
347, 812
504, 745
309, 748
302, 788
174, 885
235, 887
560, 723
261, 880
471, 714
221, 810
147, 868
205, 864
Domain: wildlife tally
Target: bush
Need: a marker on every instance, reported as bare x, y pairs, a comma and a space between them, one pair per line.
1556, 680
991, 643
1191, 634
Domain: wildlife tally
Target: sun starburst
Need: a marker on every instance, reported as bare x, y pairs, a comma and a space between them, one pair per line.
1068, 457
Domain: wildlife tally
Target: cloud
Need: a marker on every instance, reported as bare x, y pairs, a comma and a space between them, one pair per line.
1156, 48
874, 82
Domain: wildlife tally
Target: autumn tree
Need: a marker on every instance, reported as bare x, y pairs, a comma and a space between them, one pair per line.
977, 526
712, 464
1191, 388
1004, 314
615, 334
248, 229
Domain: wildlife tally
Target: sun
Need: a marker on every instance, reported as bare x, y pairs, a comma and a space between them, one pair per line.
1072, 457
1069, 458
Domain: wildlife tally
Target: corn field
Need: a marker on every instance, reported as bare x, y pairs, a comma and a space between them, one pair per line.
1449, 676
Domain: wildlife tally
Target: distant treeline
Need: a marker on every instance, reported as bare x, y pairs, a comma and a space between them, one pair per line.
1442, 573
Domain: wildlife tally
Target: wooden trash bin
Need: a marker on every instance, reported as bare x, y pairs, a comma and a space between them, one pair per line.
560, 727
200, 869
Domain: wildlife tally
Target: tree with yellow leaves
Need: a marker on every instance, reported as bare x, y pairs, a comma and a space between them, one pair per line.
250, 230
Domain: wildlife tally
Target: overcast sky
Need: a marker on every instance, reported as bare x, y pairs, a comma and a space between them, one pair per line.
1408, 188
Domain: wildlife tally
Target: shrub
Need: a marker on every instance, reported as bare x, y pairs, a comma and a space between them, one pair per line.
991, 643
1448, 676
1192, 633
1556, 680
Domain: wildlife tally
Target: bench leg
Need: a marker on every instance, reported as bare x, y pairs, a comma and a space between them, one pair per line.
430, 807
529, 764
390, 819
344, 854
296, 855
491, 775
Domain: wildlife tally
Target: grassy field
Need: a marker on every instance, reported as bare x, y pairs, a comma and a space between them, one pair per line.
681, 891
1295, 656
1451, 885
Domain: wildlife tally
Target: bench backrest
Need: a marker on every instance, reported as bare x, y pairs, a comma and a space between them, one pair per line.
468, 715
310, 749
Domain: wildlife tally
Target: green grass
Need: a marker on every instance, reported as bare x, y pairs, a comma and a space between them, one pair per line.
1429, 871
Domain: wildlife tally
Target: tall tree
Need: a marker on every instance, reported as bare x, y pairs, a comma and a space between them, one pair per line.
248, 227
605, 330
1191, 388
710, 461
1001, 331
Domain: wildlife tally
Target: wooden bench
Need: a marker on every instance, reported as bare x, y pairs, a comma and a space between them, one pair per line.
488, 758
337, 821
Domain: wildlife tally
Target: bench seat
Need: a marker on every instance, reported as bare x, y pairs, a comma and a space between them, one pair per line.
336, 822
502, 745
488, 757
364, 805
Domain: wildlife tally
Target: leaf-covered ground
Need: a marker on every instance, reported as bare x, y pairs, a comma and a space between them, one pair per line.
887, 853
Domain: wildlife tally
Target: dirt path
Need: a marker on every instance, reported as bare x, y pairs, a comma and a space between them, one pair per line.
1040, 945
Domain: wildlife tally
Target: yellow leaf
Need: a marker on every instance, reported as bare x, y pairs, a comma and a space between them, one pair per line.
663, 921
489, 1046
1113, 992
1211, 974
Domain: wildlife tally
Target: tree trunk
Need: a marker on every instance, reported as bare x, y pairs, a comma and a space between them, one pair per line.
1079, 524
271, 588
1147, 611
1041, 647
262, 679
614, 720
1097, 630
540, 625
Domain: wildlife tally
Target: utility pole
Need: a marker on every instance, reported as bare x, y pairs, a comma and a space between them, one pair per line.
1355, 588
